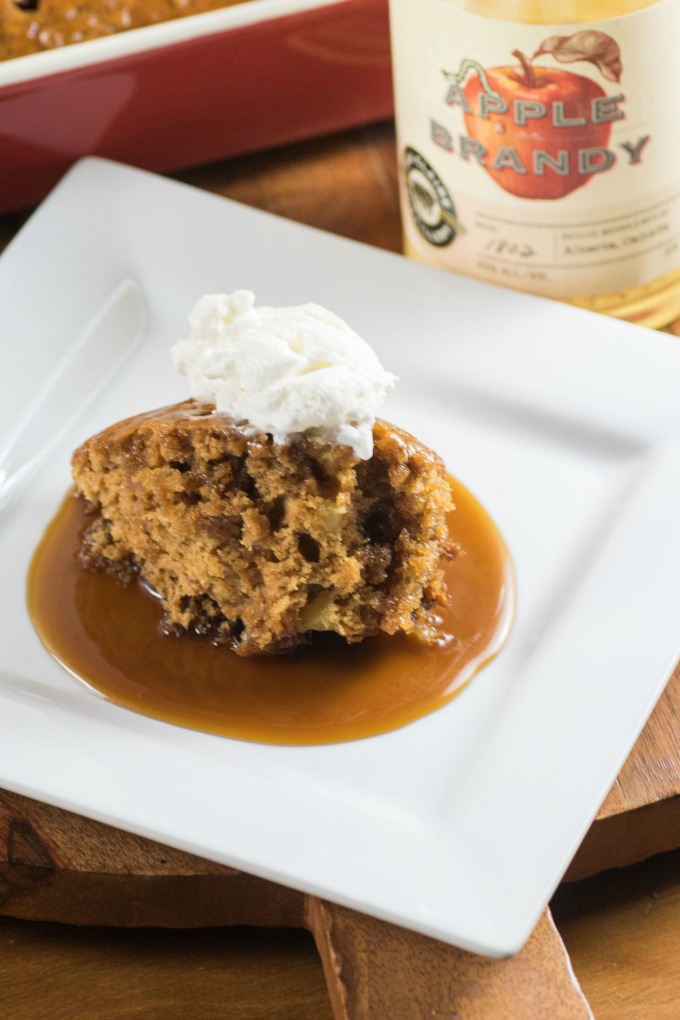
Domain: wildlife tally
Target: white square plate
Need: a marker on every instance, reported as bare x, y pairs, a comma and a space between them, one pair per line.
564, 424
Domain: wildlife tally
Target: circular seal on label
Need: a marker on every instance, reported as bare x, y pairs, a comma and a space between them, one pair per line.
431, 205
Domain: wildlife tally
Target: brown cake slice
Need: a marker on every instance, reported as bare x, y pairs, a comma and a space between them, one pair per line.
258, 544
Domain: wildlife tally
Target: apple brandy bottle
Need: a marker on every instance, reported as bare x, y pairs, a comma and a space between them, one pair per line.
539, 146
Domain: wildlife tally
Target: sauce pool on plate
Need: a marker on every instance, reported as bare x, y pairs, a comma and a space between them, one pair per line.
109, 636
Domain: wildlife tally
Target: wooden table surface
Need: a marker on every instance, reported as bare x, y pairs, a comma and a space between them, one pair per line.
620, 926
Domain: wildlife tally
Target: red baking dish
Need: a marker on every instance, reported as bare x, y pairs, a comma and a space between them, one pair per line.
190, 91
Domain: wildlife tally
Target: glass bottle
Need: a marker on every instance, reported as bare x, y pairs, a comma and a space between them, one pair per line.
539, 146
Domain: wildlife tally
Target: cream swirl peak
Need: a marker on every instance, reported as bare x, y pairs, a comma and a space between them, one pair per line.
285, 371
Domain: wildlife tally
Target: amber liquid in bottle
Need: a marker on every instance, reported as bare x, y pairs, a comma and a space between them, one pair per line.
652, 302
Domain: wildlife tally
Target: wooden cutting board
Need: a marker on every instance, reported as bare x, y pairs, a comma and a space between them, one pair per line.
58, 866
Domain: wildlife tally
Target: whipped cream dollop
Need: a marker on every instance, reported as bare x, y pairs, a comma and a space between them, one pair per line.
286, 371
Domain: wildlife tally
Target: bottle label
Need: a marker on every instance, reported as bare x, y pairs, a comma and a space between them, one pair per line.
543, 157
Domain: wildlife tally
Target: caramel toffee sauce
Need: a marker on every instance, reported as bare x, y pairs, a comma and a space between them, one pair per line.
108, 635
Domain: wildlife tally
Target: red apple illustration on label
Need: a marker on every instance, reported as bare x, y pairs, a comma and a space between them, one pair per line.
542, 132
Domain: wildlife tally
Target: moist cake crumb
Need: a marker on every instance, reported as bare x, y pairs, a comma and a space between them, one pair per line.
257, 545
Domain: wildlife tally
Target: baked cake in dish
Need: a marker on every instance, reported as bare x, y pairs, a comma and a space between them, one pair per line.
259, 544
32, 26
